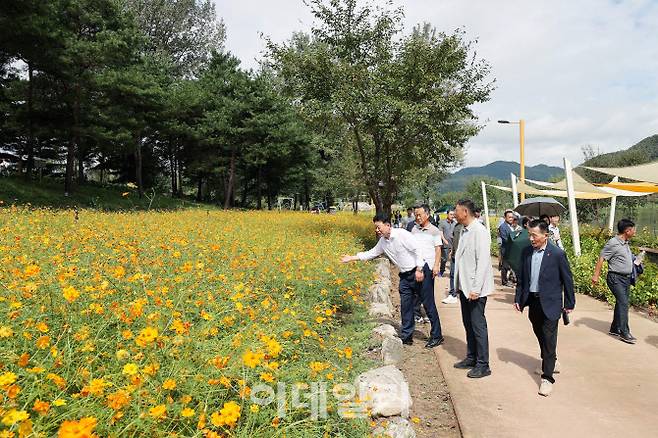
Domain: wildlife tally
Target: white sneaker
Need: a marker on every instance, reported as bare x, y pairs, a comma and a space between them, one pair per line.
556, 370
545, 388
450, 299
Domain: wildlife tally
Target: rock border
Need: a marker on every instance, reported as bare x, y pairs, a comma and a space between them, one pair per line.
384, 390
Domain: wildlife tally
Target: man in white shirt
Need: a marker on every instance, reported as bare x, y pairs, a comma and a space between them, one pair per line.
474, 282
429, 240
554, 231
403, 250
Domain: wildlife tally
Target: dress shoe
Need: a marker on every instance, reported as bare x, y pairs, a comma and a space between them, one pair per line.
434, 342
545, 388
478, 372
408, 341
465, 364
627, 338
556, 369
632, 337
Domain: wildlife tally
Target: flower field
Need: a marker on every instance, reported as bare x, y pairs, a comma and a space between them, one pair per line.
165, 324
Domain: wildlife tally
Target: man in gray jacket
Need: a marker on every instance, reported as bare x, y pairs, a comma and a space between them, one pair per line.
474, 282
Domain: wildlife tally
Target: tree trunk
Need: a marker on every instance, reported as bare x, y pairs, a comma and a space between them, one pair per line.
74, 143
245, 189
259, 204
179, 176
81, 166
172, 168
355, 203
231, 181
30, 131
138, 164
199, 192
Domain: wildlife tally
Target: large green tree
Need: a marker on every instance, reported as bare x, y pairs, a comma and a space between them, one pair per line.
405, 101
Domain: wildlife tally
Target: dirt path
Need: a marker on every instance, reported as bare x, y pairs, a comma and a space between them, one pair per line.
432, 412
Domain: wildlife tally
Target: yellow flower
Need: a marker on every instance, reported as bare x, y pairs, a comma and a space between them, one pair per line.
318, 366
187, 413
254, 408
84, 428
59, 402
158, 411
43, 342
41, 407
6, 332
95, 387
7, 378
130, 369
13, 417
70, 294
251, 359
227, 416
169, 384
118, 400
146, 336
122, 354
42, 327
267, 377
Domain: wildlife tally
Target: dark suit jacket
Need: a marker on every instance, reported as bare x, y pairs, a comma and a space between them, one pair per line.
554, 277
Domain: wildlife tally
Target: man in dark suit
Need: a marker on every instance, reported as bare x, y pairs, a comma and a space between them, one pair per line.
544, 275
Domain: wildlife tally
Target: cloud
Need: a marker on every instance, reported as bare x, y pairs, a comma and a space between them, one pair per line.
579, 73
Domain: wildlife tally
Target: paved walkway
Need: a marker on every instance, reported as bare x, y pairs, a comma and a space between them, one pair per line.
606, 389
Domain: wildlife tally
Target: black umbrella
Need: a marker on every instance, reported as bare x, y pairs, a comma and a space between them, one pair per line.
540, 206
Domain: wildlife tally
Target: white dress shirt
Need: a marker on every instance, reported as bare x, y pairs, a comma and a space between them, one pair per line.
428, 239
401, 248
473, 271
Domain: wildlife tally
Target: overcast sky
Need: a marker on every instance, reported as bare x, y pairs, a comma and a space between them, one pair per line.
580, 72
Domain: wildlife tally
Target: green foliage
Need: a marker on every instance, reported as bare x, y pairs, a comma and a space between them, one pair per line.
643, 294
403, 101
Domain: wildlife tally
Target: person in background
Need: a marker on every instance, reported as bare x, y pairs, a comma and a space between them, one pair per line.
429, 241
503, 232
408, 219
474, 282
617, 252
447, 227
403, 250
516, 243
545, 218
544, 277
478, 216
452, 297
554, 231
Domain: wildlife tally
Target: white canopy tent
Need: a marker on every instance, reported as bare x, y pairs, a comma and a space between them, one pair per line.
572, 187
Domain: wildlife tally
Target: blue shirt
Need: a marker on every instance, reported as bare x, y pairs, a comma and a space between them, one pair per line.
537, 257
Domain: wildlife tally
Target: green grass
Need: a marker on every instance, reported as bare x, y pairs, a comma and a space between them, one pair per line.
50, 193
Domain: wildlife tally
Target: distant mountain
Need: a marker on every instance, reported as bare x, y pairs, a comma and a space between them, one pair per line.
499, 170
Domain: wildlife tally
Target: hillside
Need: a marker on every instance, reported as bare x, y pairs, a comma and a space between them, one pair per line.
642, 152
48, 193
499, 170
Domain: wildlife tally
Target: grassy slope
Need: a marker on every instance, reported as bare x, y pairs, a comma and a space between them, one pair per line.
49, 193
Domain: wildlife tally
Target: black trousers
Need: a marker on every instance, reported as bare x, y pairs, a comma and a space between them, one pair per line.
546, 333
619, 286
503, 266
444, 259
475, 324
409, 289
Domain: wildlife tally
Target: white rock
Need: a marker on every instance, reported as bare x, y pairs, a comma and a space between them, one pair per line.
396, 428
384, 391
385, 330
391, 350
379, 294
380, 310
